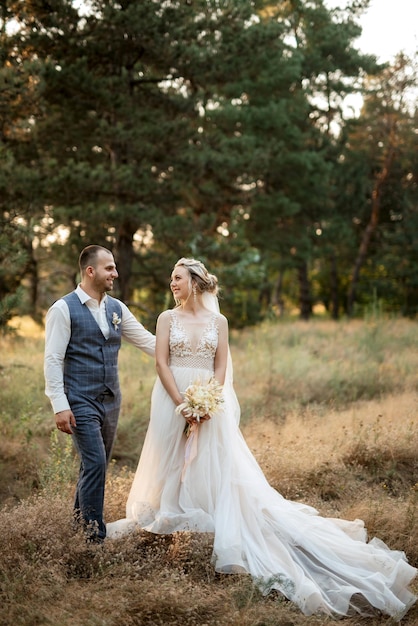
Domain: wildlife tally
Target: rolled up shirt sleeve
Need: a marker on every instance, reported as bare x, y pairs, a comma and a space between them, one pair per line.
57, 336
135, 333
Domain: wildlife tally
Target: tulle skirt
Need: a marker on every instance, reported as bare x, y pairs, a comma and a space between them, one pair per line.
322, 564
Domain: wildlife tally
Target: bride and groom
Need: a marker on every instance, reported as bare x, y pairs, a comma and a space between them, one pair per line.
211, 482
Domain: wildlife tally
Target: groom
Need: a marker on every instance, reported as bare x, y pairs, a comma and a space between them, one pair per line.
83, 333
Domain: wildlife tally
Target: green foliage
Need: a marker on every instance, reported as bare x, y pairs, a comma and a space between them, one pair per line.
13, 262
209, 129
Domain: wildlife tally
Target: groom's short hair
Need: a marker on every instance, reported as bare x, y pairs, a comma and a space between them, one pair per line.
89, 255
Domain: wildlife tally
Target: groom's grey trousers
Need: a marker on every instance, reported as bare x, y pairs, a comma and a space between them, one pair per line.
94, 437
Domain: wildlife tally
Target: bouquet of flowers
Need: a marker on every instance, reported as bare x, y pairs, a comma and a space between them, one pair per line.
201, 399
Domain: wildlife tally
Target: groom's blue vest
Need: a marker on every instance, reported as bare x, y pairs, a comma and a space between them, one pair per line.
91, 361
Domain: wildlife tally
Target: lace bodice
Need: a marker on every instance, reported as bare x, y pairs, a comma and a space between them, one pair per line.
182, 353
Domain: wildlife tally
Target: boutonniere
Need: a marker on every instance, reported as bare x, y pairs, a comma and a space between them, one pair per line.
116, 320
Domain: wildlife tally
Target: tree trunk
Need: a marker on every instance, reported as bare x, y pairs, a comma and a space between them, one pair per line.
372, 225
124, 259
277, 296
335, 301
305, 300
32, 272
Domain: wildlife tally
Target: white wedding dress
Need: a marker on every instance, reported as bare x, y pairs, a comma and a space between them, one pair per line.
321, 564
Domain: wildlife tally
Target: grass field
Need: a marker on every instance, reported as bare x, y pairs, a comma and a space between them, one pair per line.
330, 412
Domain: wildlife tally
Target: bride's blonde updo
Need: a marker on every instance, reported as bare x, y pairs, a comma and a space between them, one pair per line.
198, 272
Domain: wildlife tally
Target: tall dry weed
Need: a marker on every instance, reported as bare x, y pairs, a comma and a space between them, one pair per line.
330, 413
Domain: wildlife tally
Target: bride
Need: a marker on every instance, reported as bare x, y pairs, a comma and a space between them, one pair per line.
210, 481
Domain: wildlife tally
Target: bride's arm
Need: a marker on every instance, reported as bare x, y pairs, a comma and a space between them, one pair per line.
221, 356
162, 353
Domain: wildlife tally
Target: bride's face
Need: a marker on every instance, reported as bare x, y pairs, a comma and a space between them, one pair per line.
180, 283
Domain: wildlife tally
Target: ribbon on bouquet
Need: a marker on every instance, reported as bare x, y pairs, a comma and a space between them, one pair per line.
190, 450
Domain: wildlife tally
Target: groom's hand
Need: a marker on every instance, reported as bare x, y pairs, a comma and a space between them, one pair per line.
64, 421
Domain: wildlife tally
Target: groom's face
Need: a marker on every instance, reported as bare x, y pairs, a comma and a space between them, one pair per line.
104, 272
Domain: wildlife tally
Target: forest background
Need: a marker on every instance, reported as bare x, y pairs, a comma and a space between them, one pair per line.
214, 129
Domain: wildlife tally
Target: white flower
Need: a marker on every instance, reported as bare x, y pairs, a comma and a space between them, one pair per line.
116, 320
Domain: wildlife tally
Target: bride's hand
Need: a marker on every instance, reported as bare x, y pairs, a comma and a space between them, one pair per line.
188, 416
190, 419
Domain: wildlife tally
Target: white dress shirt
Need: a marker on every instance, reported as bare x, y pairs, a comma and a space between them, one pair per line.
57, 337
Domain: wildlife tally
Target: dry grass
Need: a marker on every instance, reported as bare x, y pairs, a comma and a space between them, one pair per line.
329, 411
